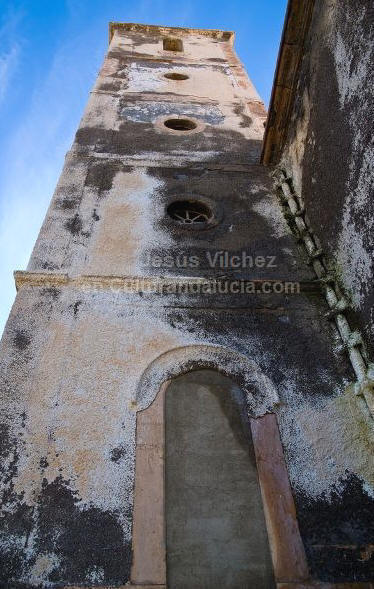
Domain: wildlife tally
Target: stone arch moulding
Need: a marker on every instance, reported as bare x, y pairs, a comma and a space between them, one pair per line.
260, 392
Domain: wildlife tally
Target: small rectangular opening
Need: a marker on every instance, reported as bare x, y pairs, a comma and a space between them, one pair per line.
172, 44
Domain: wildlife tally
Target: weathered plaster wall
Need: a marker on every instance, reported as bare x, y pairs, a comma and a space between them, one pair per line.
118, 226
69, 471
77, 348
120, 172
330, 150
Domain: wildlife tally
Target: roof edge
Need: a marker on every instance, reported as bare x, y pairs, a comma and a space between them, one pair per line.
296, 26
162, 30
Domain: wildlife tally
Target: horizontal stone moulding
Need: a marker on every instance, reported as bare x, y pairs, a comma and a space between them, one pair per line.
157, 283
161, 30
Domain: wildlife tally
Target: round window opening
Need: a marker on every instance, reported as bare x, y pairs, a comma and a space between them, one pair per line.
180, 124
176, 76
190, 212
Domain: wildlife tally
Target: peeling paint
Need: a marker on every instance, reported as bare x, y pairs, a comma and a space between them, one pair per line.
148, 112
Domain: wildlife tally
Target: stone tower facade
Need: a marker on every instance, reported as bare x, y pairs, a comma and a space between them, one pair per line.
168, 331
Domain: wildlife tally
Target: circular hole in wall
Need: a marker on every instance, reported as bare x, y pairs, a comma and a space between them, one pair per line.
176, 76
190, 212
180, 124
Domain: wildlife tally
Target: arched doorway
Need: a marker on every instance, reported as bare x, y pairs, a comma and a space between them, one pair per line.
215, 525
256, 395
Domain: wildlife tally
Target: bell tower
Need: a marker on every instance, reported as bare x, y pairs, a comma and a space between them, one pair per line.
167, 359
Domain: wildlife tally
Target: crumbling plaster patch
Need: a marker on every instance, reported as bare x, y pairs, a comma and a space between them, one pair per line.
142, 77
146, 112
101, 112
337, 438
127, 226
43, 567
267, 208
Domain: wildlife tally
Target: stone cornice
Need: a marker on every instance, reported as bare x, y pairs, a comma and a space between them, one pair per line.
160, 30
125, 283
296, 26
142, 283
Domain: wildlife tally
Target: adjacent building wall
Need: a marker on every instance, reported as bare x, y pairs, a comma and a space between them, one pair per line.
329, 151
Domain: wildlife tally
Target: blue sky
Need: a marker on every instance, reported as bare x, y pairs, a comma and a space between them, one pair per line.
50, 53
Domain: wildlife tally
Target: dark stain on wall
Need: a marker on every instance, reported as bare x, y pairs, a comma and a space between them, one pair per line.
21, 339
74, 224
66, 204
237, 227
51, 292
49, 266
17, 520
231, 146
139, 38
117, 453
76, 306
13, 561
100, 175
86, 540
338, 532
305, 334
246, 120
114, 86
